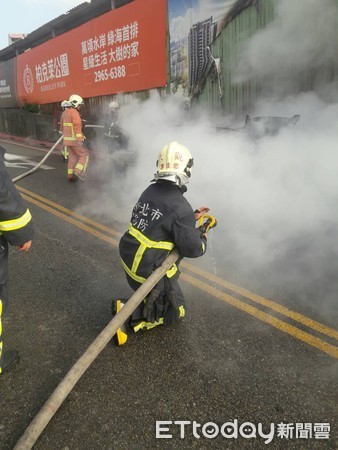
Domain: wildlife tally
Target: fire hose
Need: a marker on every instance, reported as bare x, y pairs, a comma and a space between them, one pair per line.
40, 163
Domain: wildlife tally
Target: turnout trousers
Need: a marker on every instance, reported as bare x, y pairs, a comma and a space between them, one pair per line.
164, 310
77, 160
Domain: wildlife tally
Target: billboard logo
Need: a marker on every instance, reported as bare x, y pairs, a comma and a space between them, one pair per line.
28, 80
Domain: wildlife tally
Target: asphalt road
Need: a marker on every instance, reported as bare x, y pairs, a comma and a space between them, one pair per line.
245, 353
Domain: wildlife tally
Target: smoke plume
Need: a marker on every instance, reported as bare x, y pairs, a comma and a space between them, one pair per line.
275, 198
298, 47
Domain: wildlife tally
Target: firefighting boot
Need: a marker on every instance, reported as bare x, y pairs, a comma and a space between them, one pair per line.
121, 335
79, 176
8, 359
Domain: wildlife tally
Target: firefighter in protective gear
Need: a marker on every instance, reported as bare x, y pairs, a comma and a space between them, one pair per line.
73, 138
64, 152
161, 220
16, 228
111, 122
115, 137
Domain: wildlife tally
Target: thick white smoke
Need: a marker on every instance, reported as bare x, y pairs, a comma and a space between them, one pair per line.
296, 48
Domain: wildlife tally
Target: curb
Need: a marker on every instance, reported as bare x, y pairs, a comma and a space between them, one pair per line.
28, 140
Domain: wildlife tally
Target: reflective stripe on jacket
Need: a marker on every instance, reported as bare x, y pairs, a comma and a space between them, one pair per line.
71, 127
16, 224
144, 244
161, 219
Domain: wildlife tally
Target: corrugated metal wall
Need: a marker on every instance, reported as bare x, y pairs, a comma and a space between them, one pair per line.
98, 105
237, 99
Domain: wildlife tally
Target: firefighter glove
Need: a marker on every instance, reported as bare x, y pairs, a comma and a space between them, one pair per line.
152, 308
172, 313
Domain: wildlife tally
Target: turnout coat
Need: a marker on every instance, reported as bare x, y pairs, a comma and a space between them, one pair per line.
161, 219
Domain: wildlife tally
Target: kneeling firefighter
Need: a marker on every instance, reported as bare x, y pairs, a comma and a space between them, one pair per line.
161, 220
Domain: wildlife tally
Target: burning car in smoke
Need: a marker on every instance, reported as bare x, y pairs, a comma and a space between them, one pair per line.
257, 127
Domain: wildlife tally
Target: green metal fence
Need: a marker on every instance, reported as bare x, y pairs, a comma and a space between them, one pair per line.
220, 93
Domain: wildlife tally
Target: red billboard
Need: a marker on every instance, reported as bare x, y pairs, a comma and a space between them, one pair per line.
123, 50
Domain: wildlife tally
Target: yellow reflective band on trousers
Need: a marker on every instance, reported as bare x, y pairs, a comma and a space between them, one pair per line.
15, 224
182, 311
149, 325
146, 243
82, 167
0, 333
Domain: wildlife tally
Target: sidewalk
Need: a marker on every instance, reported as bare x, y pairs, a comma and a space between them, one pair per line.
29, 141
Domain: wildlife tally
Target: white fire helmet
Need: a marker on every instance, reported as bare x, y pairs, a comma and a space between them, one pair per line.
174, 164
76, 100
65, 104
114, 106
